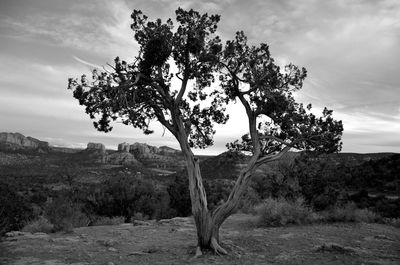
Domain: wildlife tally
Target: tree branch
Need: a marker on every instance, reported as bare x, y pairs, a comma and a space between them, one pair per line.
274, 138
271, 158
183, 88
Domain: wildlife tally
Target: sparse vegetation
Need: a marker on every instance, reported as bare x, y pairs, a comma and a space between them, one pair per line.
39, 225
104, 220
64, 214
278, 212
15, 211
350, 213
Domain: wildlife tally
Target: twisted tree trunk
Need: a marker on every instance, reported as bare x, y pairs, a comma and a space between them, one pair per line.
208, 223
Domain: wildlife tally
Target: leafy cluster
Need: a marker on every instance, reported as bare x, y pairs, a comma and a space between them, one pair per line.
142, 91
266, 91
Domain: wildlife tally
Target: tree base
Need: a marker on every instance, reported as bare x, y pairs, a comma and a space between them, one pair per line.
217, 247
214, 246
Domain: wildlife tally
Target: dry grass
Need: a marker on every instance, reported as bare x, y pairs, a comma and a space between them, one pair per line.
278, 212
39, 225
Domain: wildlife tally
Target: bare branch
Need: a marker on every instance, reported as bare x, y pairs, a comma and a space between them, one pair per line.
271, 158
111, 66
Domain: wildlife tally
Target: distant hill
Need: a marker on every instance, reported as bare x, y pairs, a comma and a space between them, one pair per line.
379, 174
16, 149
17, 141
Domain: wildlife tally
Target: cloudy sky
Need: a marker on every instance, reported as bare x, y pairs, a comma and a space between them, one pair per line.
351, 49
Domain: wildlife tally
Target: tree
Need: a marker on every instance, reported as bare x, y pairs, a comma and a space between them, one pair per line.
142, 91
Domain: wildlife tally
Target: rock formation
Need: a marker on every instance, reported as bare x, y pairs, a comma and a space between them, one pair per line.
99, 147
97, 152
124, 147
139, 149
17, 141
122, 158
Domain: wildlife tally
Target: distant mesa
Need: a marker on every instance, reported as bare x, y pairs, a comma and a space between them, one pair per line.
124, 147
135, 154
17, 141
143, 149
99, 147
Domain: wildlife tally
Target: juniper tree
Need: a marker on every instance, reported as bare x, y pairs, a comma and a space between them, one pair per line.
211, 74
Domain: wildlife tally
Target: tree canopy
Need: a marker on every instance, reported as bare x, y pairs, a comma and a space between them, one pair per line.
137, 93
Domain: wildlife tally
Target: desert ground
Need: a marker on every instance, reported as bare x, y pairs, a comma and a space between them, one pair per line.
173, 241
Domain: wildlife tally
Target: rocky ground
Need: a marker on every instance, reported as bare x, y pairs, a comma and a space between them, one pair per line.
173, 242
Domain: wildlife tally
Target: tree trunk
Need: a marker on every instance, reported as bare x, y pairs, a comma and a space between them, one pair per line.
207, 224
207, 230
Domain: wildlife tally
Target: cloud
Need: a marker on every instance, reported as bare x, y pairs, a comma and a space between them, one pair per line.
106, 32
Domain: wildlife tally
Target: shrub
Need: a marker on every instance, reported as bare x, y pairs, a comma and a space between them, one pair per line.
123, 196
104, 220
392, 221
64, 214
278, 212
350, 213
140, 217
249, 201
39, 225
14, 209
179, 195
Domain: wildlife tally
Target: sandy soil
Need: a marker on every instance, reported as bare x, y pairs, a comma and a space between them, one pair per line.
173, 242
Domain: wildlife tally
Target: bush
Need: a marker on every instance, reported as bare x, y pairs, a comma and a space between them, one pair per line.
350, 213
179, 195
39, 225
140, 217
392, 221
278, 212
123, 196
14, 209
249, 200
104, 220
64, 214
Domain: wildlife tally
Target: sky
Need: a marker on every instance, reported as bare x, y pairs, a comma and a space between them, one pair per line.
350, 48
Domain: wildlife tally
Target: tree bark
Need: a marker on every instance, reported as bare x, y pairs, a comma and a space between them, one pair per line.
207, 229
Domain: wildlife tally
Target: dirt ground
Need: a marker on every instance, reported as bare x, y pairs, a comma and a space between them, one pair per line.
174, 242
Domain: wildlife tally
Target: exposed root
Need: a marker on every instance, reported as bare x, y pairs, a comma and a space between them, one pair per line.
198, 254
217, 248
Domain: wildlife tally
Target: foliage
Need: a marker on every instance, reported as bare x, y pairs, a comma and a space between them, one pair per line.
249, 201
64, 214
14, 209
278, 212
104, 220
275, 185
381, 174
179, 196
321, 183
142, 91
350, 213
217, 190
125, 196
39, 225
